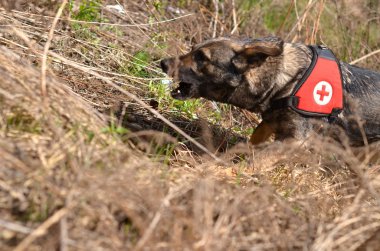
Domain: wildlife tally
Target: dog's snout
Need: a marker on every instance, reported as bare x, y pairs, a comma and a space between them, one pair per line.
165, 64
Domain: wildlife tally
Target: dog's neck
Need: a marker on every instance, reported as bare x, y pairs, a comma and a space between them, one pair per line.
279, 75
296, 59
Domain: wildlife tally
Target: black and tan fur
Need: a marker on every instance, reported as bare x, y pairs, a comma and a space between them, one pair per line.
252, 73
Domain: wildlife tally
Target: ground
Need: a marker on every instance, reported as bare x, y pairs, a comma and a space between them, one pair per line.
92, 164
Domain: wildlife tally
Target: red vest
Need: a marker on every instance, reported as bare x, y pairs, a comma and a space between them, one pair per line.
320, 90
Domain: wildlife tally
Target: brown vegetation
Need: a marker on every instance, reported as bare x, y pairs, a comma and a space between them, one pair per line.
92, 164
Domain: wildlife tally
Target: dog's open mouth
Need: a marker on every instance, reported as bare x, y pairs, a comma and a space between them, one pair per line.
182, 92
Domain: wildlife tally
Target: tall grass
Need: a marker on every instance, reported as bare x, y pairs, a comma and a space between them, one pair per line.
92, 168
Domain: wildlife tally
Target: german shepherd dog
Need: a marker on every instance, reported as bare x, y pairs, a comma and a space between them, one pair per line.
256, 74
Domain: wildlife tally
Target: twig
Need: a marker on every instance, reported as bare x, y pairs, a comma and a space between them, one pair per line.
250, 118
296, 10
286, 17
149, 231
14, 161
234, 19
365, 57
316, 23
216, 5
15, 227
300, 21
145, 34
41, 230
8, 95
46, 49
356, 232
63, 234
157, 217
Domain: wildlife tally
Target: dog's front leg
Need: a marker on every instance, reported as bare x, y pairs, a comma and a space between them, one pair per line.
261, 134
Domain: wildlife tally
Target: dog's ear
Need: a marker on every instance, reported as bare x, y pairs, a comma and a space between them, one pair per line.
253, 52
202, 54
270, 46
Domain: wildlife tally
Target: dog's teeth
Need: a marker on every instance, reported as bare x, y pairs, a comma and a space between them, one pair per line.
166, 81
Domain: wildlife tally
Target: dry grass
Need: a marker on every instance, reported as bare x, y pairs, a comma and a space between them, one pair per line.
71, 179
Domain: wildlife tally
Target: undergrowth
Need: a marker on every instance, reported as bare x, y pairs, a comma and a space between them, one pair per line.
87, 167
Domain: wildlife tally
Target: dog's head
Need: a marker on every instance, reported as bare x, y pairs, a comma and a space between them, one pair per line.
215, 68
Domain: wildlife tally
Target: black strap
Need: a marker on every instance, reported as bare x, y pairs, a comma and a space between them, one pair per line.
334, 115
291, 101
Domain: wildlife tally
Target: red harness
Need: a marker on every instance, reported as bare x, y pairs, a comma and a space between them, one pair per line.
320, 90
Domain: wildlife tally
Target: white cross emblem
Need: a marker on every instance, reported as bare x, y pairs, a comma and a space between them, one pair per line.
322, 93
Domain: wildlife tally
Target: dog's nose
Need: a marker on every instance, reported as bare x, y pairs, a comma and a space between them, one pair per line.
165, 64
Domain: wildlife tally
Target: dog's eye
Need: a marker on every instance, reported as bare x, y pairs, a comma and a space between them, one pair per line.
200, 56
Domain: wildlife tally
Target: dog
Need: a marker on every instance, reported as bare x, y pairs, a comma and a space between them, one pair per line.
297, 89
